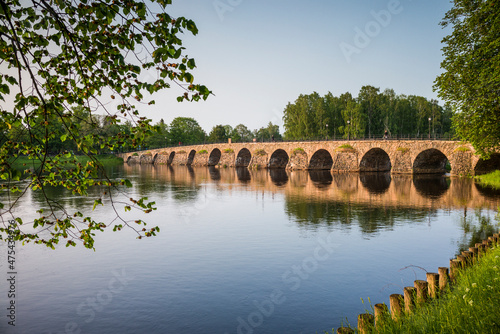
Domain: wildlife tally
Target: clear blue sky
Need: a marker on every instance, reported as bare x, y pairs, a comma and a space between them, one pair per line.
256, 55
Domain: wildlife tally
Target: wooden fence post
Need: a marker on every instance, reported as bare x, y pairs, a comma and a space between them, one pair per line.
422, 291
443, 278
366, 322
396, 304
455, 266
409, 293
381, 312
433, 284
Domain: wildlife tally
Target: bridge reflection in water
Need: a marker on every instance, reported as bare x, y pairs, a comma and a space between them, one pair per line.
381, 189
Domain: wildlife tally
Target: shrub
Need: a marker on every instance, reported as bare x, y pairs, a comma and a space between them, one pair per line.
135, 154
202, 152
298, 150
462, 149
260, 152
403, 149
228, 150
345, 148
181, 152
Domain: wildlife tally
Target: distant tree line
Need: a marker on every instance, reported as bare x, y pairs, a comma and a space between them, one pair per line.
96, 130
187, 131
369, 115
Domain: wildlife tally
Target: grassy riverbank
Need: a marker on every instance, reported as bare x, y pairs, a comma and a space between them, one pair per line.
105, 159
470, 306
490, 179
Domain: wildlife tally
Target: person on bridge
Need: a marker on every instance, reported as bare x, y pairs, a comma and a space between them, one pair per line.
386, 134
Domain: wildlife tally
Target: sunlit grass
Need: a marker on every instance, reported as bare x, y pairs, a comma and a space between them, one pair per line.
470, 306
490, 179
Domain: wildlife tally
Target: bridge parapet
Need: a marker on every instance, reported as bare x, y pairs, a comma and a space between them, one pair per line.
397, 156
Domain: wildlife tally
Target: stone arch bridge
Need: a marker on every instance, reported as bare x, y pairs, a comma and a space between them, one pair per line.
396, 156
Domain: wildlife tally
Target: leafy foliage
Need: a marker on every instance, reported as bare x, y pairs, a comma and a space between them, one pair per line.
70, 68
470, 81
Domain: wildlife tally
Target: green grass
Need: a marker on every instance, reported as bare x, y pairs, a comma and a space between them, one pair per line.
470, 306
490, 179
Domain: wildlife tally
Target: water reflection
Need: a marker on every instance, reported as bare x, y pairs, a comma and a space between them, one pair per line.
321, 178
278, 176
243, 174
214, 173
488, 192
431, 186
383, 189
312, 198
376, 183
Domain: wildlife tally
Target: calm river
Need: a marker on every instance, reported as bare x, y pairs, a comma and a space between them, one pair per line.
244, 251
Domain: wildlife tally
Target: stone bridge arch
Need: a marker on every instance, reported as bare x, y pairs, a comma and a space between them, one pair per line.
243, 158
487, 166
190, 158
375, 160
279, 159
321, 159
214, 157
430, 161
171, 158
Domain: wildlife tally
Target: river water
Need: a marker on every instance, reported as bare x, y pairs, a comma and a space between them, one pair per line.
245, 251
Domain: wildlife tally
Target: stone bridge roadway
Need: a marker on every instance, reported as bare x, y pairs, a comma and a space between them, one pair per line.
396, 156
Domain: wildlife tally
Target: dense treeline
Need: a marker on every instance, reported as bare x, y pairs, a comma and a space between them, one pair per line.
96, 129
186, 131
369, 115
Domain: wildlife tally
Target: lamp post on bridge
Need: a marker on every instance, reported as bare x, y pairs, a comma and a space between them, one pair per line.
326, 131
348, 130
429, 128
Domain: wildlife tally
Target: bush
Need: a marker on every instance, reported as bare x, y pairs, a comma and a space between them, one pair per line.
403, 149
228, 150
202, 152
298, 150
462, 149
345, 148
260, 152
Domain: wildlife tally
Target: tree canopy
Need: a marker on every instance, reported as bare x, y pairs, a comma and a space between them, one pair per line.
69, 67
368, 116
470, 82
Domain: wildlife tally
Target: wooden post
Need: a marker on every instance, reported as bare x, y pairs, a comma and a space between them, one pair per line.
462, 260
433, 283
345, 330
381, 313
482, 250
475, 253
443, 278
410, 294
469, 258
491, 241
366, 322
422, 291
396, 303
455, 266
